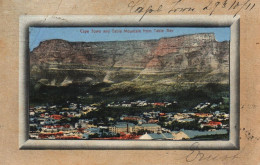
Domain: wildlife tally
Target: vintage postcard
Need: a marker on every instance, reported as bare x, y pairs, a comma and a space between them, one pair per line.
129, 82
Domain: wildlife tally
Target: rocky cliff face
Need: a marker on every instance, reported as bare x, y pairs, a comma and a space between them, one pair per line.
189, 58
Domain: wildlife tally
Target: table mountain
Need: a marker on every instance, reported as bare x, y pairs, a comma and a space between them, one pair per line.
196, 58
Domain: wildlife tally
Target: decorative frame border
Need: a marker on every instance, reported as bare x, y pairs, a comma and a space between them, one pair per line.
26, 21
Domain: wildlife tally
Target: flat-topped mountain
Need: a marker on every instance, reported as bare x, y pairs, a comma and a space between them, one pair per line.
188, 58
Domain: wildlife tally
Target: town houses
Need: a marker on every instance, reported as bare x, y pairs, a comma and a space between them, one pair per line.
141, 119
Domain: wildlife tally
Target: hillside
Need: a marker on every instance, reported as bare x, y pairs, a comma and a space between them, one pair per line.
117, 68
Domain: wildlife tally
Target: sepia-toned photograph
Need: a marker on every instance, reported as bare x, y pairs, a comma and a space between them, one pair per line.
129, 83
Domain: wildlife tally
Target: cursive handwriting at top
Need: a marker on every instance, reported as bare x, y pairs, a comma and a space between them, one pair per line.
235, 6
139, 9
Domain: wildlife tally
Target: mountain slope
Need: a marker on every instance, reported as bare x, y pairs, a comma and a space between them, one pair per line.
193, 58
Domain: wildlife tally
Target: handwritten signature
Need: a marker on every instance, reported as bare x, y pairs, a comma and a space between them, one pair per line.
198, 155
141, 7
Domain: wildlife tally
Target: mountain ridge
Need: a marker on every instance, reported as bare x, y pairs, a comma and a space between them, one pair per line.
181, 57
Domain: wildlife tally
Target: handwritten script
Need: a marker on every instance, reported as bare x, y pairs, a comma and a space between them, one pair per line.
176, 7
198, 155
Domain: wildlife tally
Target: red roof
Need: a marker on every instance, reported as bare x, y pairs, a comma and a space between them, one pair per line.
57, 126
81, 130
67, 137
159, 104
162, 114
46, 135
56, 117
66, 126
133, 118
214, 123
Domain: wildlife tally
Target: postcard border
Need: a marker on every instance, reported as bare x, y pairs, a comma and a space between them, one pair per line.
26, 21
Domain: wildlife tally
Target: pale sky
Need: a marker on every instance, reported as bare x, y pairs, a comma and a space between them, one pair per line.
76, 34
